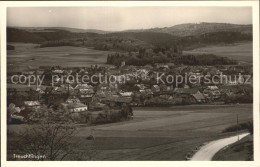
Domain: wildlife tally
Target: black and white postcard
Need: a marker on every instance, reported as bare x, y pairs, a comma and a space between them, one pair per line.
161, 83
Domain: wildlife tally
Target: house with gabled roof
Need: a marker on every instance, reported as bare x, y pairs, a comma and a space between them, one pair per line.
72, 99
149, 92
32, 104
141, 86
200, 98
58, 71
155, 88
126, 94
163, 87
193, 95
84, 90
212, 92
186, 91
74, 105
59, 91
103, 87
77, 107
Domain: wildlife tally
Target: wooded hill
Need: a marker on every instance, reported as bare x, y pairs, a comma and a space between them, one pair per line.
183, 36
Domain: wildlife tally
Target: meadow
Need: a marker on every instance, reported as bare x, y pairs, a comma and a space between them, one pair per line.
242, 52
30, 55
158, 133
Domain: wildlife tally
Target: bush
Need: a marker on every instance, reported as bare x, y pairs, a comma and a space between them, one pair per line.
10, 47
242, 126
204, 59
250, 127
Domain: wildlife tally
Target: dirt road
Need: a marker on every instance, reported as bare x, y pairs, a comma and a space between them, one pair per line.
207, 152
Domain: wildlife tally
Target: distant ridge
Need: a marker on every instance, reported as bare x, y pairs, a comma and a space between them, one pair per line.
191, 29
187, 36
73, 30
181, 30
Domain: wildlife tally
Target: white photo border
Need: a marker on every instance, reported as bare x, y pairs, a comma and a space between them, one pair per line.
255, 14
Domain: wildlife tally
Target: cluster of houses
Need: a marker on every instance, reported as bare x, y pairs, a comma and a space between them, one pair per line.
82, 97
178, 95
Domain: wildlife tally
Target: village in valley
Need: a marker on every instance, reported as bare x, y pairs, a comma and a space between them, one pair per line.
129, 86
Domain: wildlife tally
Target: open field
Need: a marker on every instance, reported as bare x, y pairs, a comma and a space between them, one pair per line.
158, 133
239, 51
26, 55
67, 56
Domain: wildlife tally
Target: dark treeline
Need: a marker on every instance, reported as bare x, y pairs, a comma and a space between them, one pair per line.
102, 43
144, 56
204, 59
171, 55
190, 42
17, 35
58, 43
116, 43
154, 38
45, 35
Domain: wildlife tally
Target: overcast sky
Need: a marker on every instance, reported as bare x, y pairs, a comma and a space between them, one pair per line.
123, 18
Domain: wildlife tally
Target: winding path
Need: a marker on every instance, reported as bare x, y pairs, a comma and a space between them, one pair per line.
207, 152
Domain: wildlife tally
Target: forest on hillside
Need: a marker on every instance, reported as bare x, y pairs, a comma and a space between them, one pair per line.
143, 47
163, 55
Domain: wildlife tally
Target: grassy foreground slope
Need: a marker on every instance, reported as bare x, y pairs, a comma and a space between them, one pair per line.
155, 133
